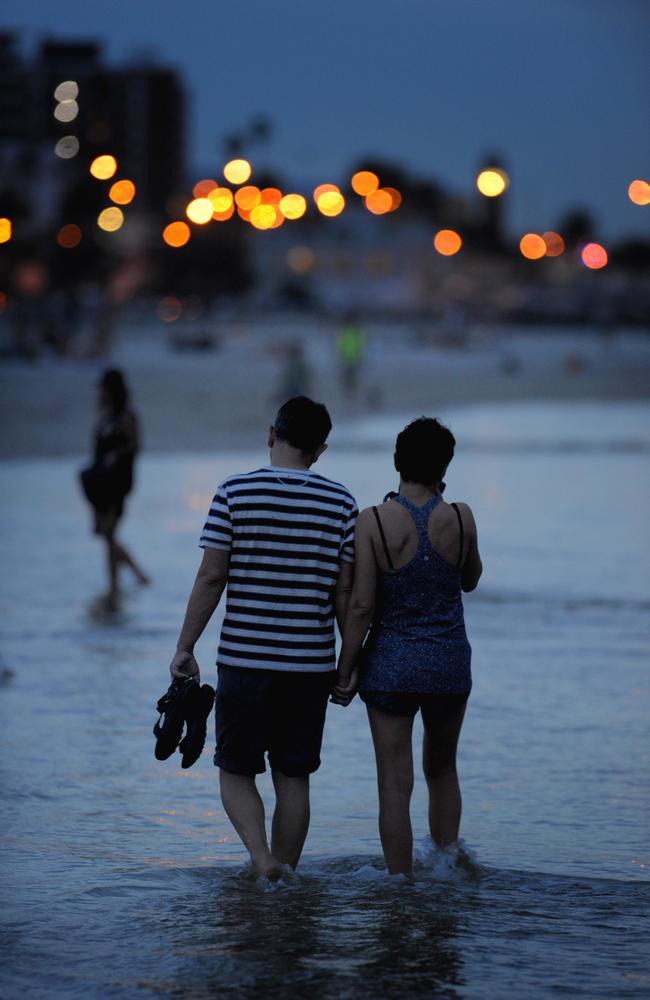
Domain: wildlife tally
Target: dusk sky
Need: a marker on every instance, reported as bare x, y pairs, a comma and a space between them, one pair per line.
561, 88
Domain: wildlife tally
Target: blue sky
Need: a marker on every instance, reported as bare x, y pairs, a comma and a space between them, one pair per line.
560, 88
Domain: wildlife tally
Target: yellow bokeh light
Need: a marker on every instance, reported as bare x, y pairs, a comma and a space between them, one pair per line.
66, 91
5, 230
176, 234
122, 192
221, 200
554, 244
639, 192
293, 206
69, 236
594, 256
67, 147
237, 171
199, 211
111, 219
324, 189
66, 111
395, 198
103, 167
331, 203
447, 242
203, 188
532, 246
492, 182
263, 216
379, 202
364, 182
247, 198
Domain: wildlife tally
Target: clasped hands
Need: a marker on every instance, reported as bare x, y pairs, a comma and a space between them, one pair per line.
345, 688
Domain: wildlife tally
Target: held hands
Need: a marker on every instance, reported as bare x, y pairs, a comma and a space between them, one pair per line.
183, 666
345, 688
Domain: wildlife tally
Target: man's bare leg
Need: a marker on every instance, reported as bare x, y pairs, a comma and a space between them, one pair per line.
245, 810
290, 818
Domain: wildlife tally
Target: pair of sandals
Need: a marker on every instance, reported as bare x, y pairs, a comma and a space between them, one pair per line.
186, 704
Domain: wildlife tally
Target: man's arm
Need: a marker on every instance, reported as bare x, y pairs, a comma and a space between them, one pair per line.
359, 613
209, 585
342, 592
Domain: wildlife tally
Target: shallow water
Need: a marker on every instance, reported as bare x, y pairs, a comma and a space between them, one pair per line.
122, 875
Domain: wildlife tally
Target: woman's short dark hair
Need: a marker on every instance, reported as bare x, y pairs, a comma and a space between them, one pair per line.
113, 384
423, 451
303, 424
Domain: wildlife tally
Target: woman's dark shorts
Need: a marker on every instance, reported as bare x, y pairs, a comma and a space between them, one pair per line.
279, 712
432, 706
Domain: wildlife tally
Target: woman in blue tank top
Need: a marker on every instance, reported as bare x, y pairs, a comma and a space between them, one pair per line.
413, 557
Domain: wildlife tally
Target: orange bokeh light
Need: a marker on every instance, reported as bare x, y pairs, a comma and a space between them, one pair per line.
364, 182
271, 196
176, 234
203, 188
122, 192
199, 211
244, 213
103, 167
532, 246
447, 242
324, 189
379, 202
263, 216
594, 256
293, 206
247, 198
639, 192
237, 171
331, 203
224, 216
69, 236
221, 200
5, 230
554, 244
396, 198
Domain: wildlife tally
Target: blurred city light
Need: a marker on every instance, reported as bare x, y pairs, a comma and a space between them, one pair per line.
66, 91
5, 230
447, 242
554, 244
169, 308
594, 256
331, 203
379, 202
66, 111
122, 192
532, 246
111, 219
203, 188
492, 182
301, 259
224, 216
199, 211
67, 147
324, 189
69, 236
244, 213
263, 216
3, 302
221, 200
271, 196
237, 171
293, 206
103, 167
247, 198
176, 234
364, 182
639, 192
395, 197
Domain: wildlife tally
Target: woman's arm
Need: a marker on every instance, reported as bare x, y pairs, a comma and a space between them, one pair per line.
360, 609
472, 566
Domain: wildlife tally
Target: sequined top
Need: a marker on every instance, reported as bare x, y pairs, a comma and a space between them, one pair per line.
417, 642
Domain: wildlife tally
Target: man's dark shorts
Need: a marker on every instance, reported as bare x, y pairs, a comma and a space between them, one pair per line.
279, 712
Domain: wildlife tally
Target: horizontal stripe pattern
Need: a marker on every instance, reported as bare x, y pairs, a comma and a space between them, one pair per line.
287, 531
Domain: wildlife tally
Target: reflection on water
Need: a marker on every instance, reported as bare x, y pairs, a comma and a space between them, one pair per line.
122, 874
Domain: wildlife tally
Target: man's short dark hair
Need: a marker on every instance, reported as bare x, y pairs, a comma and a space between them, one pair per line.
423, 451
303, 424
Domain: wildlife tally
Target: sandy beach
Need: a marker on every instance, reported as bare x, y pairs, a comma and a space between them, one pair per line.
200, 401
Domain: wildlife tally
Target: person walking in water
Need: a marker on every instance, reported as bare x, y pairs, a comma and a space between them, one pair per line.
281, 539
109, 480
414, 555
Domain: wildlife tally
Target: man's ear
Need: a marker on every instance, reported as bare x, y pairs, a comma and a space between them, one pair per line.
319, 451
271, 438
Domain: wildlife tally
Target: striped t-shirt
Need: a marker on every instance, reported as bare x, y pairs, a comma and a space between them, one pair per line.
287, 531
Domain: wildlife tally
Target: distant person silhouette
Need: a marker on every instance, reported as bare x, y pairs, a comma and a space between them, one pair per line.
349, 353
109, 480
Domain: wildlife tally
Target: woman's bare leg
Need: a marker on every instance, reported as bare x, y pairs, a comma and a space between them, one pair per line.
441, 733
392, 736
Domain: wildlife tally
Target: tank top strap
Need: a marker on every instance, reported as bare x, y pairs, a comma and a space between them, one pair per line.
419, 514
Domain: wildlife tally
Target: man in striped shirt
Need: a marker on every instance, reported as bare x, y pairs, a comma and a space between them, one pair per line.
281, 539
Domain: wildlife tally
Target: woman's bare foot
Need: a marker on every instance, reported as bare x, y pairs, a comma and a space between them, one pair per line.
268, 867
